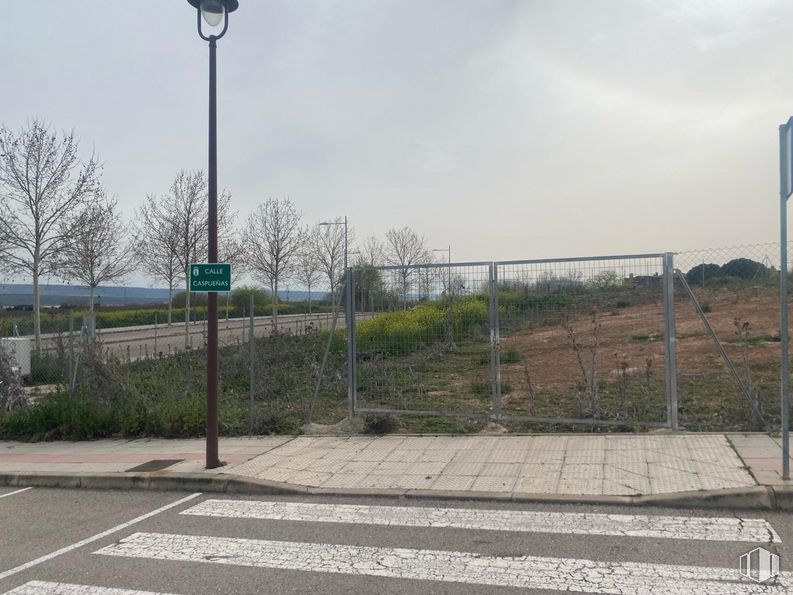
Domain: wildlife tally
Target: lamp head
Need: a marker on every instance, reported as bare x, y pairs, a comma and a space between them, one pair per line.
214, 11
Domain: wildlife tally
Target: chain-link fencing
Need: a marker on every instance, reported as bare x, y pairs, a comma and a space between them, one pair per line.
583, 338
728, 320
422, 338
687, 340
681, 340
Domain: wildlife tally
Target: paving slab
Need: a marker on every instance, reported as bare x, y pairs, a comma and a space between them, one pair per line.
502, 466
584, 465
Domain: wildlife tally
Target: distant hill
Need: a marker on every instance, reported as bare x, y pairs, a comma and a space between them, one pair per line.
21, 294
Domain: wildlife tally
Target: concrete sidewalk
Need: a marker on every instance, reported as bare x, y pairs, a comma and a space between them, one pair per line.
730, 469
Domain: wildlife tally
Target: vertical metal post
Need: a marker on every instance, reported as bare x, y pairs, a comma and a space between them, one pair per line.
670, 340
352, 369
495, 357
72, 364
784, 173
155, 334
212, 455
253, 359
449, 288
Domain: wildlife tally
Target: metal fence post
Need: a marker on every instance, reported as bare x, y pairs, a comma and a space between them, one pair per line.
784, 363
670, 341
352, 376
71, 351
253, 354
495, 357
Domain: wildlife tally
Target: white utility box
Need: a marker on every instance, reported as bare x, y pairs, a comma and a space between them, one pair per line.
18, 349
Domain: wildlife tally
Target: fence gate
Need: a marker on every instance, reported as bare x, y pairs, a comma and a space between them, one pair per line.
586, 339
421, 340
560, 341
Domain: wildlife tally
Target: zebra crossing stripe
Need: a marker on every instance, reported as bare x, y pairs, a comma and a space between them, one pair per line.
47, 588
16, 492
528, 572
623, 525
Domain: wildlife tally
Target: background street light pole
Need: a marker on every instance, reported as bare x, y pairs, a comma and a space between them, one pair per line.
345, 236
213, 11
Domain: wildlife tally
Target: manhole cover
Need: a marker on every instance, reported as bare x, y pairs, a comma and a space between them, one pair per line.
156, 465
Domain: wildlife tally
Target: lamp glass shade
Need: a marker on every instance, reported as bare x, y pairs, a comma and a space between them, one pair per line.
212, 11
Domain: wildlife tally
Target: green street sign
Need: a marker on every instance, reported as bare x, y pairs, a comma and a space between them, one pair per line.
210, 276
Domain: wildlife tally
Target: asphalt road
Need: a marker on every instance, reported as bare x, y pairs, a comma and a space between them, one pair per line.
235, 544
137, 342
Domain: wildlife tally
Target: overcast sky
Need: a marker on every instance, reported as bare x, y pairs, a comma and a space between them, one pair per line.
508, 129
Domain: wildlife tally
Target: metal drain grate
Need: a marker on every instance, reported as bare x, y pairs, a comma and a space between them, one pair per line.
156, 465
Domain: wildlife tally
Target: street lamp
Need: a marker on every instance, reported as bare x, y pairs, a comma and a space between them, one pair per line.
345, 236
449, 250
213, 12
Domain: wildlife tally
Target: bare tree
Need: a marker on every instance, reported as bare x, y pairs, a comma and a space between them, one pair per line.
186, 206
273, 238
427, 276
96, 247
329, 250
156, 242
307, 268
42, 180
405, 248
231, 250
371, 252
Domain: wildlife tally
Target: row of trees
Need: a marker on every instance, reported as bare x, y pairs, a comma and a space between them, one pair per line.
57, 220
273, 246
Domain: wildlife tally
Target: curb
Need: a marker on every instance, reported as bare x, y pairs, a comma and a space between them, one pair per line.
751, 498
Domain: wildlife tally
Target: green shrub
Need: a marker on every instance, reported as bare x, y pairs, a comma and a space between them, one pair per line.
59, 416
405, 331
241, 298
702, 272
167, 397
47, 369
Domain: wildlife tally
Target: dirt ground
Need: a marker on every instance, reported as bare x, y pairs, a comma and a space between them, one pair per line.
631, 351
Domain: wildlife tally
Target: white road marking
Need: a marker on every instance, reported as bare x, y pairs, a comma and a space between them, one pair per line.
528, 572
47, 588
15, 492
97, 537
623, 525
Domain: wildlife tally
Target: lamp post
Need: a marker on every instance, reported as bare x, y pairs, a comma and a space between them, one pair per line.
345, 236
449, 251
213, 12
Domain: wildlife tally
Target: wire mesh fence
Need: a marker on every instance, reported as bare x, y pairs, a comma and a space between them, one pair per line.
583, 339
687, 340
151, 379
728, 337
422, 339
